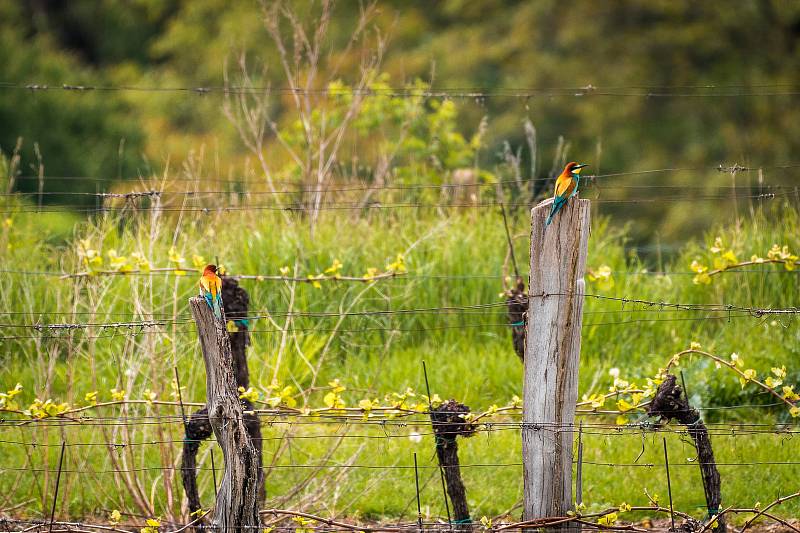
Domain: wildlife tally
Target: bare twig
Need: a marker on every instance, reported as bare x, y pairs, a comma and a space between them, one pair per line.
328, 521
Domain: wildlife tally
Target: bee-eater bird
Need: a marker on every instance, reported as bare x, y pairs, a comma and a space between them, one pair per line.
211, 289
566, 187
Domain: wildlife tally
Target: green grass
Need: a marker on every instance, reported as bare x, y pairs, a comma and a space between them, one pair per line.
468, 354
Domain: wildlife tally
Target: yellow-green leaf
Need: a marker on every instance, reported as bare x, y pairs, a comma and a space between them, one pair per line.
607, 520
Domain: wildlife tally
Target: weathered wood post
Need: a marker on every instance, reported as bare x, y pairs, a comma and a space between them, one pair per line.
236, 507
552, 354
237, 304
198, 427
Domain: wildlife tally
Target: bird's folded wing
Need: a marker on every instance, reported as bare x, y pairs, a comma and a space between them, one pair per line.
565, 187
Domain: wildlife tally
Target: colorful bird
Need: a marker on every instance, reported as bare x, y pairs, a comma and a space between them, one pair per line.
211, 289
566, 187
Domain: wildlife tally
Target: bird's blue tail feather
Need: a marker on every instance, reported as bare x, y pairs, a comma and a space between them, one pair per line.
555, 209
214, 304
218, 307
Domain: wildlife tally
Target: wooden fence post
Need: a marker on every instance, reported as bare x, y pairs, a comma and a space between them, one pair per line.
198, 427
552, 354
237, 499
237, 304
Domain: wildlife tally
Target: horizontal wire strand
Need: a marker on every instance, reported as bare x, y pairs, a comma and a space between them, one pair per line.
358, 206
479, 308
643, 91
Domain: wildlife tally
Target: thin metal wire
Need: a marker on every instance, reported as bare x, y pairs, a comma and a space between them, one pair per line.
405, 277
359, 206
162, 468
406, 419
641, 91
443, 187
169, 317
489, 427
721, 168
479, 308
123, 335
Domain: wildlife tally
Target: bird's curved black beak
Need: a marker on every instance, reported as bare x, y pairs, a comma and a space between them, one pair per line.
578, 167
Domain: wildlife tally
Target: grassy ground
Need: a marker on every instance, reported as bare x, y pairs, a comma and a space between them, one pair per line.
454, 259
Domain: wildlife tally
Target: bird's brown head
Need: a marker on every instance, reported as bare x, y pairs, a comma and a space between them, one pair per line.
574, 168
210, 269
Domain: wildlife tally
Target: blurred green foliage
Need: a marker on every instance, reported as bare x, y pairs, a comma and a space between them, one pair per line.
450, 44
76, 134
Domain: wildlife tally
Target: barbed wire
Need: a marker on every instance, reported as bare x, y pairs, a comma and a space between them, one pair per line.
287, 314
725, 168
726, 430
755, 311
444, 187
308, 279
372, 329
315, 525
144, 325
405, 276
319, 466
321, 525
169, 318
386, 418
645, 91
361, 206
388, 329
477, 308
318, 524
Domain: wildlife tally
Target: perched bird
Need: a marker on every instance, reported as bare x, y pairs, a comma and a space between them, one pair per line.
566, 187
211, 289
